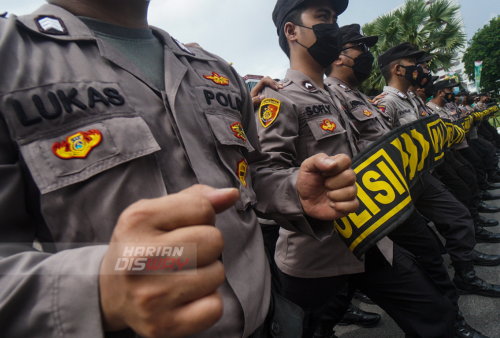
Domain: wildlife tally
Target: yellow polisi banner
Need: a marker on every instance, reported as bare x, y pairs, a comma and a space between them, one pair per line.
385, 173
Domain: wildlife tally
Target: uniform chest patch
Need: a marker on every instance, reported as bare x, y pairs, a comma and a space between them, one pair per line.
242, 171
268, 111
217, 79
328, 125
368, 113
51, 25
423, 113
77, 145
237, 128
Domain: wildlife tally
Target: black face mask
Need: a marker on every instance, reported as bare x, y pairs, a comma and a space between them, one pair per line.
449, 97
328, 43
363, 65
412, 74
426, 79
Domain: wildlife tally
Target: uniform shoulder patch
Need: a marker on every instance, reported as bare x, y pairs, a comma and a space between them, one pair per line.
237, 128
48, 24
77, 145
268, 111
366, 112
242, 171
308, 85
382, 108
181, 46
328, 125
217, 79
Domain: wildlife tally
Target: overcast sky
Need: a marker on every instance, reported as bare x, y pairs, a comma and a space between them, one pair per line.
242, 31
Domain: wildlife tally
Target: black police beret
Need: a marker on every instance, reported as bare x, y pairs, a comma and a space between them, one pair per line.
425, 59
352, 34
284, 7
403, 50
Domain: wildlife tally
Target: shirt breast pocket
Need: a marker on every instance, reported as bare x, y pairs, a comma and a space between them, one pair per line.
364, 113
232, 149
74, 153
330, 137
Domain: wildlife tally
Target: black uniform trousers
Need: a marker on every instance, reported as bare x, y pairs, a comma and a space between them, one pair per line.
452, 219
488, 132
487, 152
477, 162
461, 181
404, 290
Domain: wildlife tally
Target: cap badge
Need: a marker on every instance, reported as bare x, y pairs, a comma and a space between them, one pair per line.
268, 111
181, 46
242, 171
401, 95
366, 112
51, 25
237, 128
308, 85
328, 125
217, 79
77, 145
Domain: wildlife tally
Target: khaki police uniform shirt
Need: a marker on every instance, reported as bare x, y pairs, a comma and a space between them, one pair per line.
399, 106
65, 93
295, 123
370, 122
423, 110
446, 113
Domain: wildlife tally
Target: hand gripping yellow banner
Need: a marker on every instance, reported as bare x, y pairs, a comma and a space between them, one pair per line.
385, 173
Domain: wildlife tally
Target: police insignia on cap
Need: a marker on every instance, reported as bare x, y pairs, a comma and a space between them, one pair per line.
382, 108
268, 111
77, 145
308, 85
217, 79
51, 25
242, 171
366, 112
328, 125
237, 128
181, 46
401, 95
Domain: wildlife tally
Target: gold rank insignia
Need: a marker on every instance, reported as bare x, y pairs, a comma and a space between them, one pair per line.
268, 111
237, 128
328, 125
217, 79
242, 171
77, 145
366, 112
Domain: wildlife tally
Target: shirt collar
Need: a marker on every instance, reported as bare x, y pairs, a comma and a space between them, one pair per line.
396, 92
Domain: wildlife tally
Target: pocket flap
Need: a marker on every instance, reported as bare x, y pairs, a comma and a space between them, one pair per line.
363, 113
73, 155
322, 128
228, 129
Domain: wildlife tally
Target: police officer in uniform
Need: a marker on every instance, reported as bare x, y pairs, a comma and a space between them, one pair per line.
90, 124
345, 74
306, 118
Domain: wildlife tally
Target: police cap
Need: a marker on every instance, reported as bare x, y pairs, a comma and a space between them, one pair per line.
284, 7
403, 50
352, 34
425, 59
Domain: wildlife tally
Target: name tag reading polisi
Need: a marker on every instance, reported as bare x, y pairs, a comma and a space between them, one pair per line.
385, 172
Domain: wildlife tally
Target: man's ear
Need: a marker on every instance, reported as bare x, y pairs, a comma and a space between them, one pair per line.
338, 62
290, 31
397, 69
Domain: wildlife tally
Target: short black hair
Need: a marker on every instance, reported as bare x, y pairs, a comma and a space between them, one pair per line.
386, 70
294, 17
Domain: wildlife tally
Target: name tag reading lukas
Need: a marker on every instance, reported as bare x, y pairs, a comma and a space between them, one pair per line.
385, 172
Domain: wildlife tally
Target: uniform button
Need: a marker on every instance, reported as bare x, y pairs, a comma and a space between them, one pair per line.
275, 327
